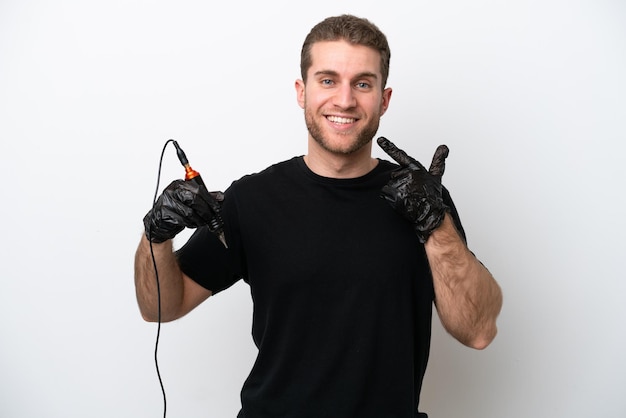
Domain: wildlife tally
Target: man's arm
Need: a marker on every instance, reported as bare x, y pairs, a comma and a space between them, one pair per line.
179, 293
467, 297
182, 204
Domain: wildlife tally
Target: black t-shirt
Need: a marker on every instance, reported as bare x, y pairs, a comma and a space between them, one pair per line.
341, 288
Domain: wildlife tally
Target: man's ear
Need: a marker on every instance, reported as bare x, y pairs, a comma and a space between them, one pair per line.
386, 99
300, 92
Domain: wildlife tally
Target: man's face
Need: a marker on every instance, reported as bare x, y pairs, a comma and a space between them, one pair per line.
343, 98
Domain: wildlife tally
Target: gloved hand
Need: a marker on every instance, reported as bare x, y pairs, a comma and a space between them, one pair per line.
182, 204
414, 192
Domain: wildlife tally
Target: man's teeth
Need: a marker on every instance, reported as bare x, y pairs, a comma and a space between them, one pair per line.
337, 119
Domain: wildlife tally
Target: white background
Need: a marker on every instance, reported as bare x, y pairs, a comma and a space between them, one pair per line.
528, 95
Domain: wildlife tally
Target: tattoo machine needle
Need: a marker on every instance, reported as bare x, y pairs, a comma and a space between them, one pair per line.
216, 225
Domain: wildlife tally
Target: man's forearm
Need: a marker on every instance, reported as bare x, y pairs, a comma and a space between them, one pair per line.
170, 281
467, 297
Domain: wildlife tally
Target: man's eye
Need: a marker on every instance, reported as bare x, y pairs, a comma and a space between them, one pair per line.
327, 82
363, 85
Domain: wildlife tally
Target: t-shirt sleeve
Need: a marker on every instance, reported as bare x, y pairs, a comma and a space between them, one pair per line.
205, 260
447, 199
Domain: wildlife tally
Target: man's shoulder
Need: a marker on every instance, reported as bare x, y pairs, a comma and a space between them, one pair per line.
286, 168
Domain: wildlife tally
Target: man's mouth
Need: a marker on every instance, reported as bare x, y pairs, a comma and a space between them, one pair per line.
340, 120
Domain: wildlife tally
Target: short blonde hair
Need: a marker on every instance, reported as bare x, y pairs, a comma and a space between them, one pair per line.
355, 30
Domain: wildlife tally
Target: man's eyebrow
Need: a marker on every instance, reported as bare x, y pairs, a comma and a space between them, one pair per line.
325, 72
367, 74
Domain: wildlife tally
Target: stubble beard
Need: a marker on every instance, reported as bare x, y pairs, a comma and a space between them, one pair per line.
363, 137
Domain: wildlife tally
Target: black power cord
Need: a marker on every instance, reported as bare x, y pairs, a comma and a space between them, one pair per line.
158, 286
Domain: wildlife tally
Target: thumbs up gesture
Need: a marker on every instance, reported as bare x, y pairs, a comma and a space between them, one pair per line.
413, 191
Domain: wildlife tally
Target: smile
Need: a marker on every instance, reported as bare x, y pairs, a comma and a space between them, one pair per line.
338, 119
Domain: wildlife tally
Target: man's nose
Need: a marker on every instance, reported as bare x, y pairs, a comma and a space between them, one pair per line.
344, 97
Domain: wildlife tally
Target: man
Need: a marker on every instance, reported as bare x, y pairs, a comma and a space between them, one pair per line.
344, 253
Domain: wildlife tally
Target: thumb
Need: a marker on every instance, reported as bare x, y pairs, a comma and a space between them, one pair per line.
438, 165
219, 196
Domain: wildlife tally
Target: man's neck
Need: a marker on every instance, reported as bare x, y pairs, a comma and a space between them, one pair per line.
326, 164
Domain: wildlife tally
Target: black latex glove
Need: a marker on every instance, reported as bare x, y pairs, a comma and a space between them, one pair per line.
415, 192
182, 204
